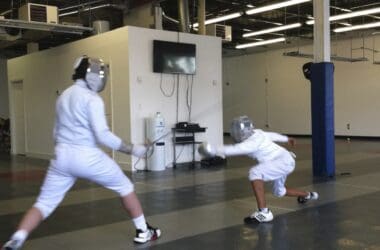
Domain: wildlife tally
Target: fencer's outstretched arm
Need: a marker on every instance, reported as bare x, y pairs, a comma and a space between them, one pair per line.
276, 137
99, 125
242, 148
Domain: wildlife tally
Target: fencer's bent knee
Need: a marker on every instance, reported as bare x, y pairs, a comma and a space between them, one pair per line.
279, 192
126, 190
44, 209
254, 174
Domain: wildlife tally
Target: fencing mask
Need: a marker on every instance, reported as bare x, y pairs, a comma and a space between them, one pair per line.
93, 71
241, 128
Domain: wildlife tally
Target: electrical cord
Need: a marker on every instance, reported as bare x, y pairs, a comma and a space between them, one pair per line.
163, 91
189, 96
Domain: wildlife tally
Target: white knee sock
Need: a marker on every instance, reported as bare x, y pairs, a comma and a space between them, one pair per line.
20, 236
140, 223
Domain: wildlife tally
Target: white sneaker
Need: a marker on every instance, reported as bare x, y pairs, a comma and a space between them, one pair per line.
259, 216
149, 235
12, 245
311, 196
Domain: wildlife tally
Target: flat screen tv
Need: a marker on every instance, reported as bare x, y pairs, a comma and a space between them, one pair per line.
174, 58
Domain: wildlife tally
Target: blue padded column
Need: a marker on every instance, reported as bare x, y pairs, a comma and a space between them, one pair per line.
322, 108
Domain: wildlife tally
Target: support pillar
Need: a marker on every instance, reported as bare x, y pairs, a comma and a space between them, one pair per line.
322, 94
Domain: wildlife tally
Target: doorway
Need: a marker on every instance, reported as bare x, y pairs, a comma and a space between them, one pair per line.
18, 142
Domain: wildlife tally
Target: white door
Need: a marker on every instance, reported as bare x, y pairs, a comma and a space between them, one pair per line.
19, 117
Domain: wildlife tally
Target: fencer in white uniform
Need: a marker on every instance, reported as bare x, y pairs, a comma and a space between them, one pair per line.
80, 127
275, 163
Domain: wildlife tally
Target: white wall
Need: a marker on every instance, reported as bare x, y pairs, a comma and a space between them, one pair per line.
284, 101
4, 100
133, 92
147, 98
46, 72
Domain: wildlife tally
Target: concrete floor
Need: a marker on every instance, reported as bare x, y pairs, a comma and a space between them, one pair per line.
204, 208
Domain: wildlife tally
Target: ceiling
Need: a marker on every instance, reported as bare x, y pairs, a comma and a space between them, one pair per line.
293, 14
114, 13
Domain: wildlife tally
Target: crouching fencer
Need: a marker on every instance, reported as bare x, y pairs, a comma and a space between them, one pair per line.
80, 126
275, 163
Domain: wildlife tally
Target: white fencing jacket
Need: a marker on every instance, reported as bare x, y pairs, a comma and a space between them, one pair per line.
259, 146
81, 120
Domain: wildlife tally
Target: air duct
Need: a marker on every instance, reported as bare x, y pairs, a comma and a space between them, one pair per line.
100, 26
7, 34
183, 13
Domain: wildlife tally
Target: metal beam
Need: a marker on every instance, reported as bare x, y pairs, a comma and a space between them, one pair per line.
20, 24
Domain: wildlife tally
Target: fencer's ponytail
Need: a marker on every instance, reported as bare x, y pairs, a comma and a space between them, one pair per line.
80, 69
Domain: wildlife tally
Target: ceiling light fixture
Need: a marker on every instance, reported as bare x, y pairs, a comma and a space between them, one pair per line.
220, 18
275, 6
357, 27
350, 15
271, 30
255, 44
345, 24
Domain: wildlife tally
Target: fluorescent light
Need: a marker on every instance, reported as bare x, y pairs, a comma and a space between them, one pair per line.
250, 5
350, 15
271, 30
255, 44
275, 6
345, 24
220, 19
357, 27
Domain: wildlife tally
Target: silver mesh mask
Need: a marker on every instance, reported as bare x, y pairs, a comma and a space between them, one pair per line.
97, 74
241, 128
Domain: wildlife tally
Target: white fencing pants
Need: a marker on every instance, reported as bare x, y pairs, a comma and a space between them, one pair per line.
72, 162
276, 171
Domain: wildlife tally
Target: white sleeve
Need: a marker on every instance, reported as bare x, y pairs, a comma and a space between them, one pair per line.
55, 129
276, 137
99, 125
243, 148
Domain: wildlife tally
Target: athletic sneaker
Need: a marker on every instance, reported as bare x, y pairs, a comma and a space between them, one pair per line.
259, 216
12, 245
149, 235
311, 196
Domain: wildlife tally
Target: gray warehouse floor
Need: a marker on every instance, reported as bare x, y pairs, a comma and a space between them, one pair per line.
204, 208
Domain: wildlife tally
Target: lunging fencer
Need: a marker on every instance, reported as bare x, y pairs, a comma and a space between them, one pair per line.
275, 163
79, 127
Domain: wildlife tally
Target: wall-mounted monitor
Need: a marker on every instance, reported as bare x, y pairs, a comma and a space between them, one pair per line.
174, 58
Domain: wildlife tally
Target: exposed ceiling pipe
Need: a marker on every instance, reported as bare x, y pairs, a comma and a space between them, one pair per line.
78, 6
202, 17
5, 12
115, 6
183, 13
171, 19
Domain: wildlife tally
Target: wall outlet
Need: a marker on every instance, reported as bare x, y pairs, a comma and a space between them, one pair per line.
348, 126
